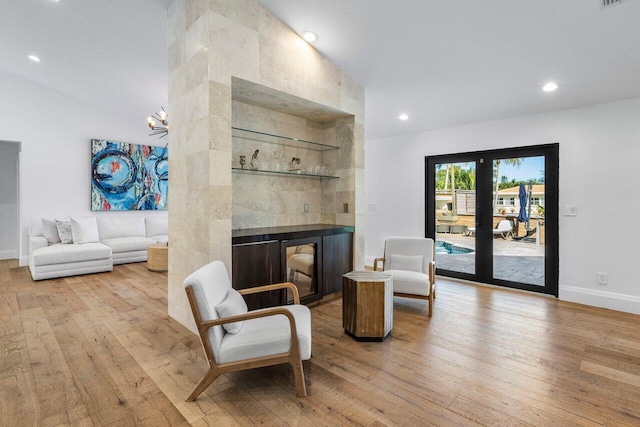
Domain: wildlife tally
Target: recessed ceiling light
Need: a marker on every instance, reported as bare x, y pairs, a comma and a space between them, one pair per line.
403, 117
34, 58
550, 87
310, 36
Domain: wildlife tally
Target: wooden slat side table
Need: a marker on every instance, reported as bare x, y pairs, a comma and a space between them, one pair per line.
158, 257
367, 305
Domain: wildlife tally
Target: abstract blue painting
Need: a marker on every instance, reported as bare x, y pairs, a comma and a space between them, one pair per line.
128, 177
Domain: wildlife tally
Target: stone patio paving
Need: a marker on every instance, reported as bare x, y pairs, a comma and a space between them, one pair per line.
513, 260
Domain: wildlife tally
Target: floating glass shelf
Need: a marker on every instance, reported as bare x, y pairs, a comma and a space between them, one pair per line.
252, 135
294, 174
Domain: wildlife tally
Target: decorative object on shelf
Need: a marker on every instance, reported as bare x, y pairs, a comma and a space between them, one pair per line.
275, 155
128, 177
162, 128
243, 161
254, 160
294, 165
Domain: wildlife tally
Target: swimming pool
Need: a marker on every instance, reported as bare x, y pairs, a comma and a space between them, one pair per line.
448, 248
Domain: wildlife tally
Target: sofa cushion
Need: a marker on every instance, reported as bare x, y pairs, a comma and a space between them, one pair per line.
60, 253
405, 262
409, 282
84, 230
64, 230
233, 305
128, 244
109, 228
50, 231
157, 226
268, 335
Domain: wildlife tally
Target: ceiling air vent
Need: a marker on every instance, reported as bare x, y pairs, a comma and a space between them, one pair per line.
608, 3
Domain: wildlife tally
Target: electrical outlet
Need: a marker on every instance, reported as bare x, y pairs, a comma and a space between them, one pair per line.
306, 208
603, 278
570, 210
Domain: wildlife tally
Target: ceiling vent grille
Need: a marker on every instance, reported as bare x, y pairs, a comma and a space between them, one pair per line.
608, 3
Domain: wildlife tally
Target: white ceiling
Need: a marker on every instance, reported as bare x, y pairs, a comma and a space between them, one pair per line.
112, 54
444, 63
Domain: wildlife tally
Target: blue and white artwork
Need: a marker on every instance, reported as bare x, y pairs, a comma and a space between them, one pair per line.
128, 177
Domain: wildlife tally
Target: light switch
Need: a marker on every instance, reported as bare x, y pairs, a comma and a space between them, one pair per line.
306, 207
372, 207
570, 210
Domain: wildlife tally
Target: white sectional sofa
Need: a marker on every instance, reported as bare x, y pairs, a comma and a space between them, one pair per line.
120, 240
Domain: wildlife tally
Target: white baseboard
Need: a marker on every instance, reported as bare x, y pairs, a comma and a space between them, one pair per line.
9, 254
24, 261
598, 298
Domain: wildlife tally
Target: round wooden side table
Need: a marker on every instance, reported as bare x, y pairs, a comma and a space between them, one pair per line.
158, 257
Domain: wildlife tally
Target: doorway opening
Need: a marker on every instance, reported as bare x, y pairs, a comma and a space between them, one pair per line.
494, 216
9, 200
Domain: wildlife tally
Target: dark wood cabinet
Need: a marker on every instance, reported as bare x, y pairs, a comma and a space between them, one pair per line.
259, 258
258, 264
337, 259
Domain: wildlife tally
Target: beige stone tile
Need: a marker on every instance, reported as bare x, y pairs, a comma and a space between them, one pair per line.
219, 133
176, 52
197, 103
194, 9
197, 37
176, 21
196, 138
176, 85
233, 37
196, 71
219, 171
220, 99
198, 169
326, 218
221, 198
243, 12
177, 201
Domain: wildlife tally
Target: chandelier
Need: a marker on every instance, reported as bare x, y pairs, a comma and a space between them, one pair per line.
158, 123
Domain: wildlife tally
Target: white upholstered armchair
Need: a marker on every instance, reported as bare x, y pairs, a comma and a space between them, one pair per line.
411, 263
235, 339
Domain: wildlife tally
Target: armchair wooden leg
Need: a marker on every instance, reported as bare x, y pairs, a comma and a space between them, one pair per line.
298, 374
205, 382
431, 297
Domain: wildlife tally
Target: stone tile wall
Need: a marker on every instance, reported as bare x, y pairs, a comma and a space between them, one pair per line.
211, 41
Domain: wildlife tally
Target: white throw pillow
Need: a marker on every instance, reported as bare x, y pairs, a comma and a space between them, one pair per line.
84, 230
50, 231
64, 230
232, 305
406, 262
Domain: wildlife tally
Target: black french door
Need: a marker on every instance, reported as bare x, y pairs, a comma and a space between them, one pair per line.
494, 216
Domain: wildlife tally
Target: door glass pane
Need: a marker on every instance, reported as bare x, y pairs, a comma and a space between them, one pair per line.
518, 219
455, 216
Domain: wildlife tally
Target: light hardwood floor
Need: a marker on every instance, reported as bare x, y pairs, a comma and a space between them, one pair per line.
100, 350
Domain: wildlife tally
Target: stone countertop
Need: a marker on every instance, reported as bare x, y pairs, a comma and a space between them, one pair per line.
255, 235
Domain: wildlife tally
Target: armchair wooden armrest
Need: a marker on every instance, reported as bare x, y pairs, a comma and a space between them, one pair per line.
273, 287
375, 263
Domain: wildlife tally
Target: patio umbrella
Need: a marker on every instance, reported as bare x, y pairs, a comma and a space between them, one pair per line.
522, 216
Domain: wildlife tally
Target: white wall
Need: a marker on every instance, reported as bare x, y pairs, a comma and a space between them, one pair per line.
56, 132
9, 199
599, 172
